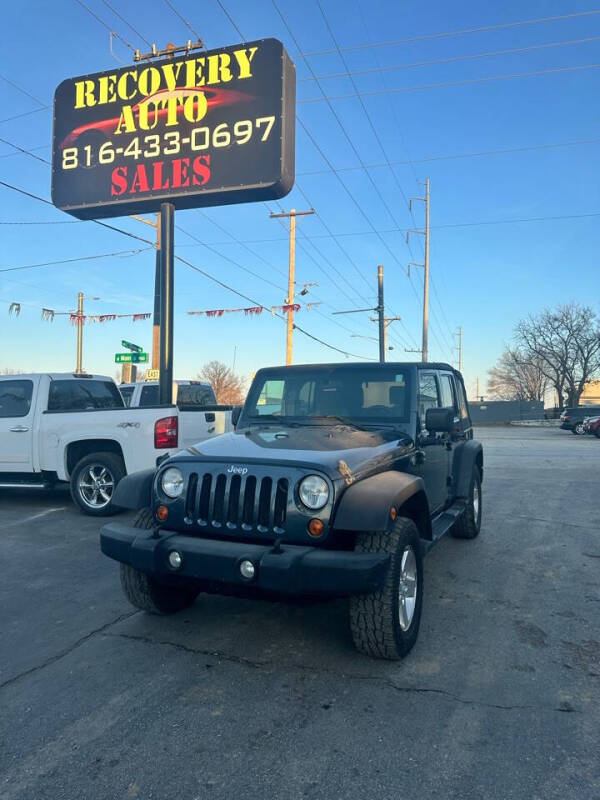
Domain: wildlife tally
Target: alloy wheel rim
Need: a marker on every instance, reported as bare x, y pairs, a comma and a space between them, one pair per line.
96, 486
407, 588
476, 502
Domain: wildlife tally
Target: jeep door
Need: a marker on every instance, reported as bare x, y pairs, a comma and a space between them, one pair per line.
432, 462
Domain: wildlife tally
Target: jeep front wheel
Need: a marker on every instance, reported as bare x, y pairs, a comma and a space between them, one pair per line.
385, 624
144, 591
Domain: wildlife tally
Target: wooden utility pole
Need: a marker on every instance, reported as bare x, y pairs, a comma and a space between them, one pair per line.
425, 265
460, 352
79, 368
289, 341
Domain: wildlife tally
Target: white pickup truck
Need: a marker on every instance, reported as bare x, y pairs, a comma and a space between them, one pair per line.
76, 428
200, 417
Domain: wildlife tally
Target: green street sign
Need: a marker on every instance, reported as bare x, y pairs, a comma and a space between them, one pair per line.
131, 358
135, 348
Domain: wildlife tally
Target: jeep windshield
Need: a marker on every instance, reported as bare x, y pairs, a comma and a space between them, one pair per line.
337, 395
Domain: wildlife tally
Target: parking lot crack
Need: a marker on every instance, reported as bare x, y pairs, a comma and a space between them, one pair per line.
187, 649
57, 656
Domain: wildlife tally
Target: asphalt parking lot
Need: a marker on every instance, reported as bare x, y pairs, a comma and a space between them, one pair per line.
236, 698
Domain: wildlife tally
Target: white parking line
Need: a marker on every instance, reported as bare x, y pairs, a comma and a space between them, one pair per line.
32, 517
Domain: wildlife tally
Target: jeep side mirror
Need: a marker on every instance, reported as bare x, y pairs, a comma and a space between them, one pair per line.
439, 420
235, 415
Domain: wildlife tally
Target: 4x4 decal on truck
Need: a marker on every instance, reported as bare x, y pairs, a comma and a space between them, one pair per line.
128, 425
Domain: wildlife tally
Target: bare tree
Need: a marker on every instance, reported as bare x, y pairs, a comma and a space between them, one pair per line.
565, 341
229, 387
517, 377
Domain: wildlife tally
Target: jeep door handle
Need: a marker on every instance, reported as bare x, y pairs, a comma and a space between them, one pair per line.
19, 429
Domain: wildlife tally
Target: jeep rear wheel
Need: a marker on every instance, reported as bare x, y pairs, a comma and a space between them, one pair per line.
385, 624
468, 525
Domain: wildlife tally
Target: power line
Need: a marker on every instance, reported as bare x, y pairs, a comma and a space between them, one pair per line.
197, 269
183, 19
231, 260
72, 260
24, 114
447, 84
453, 156
39, 147
135, 30
230, 18
23, 91
25, 152
105, 25
460, 32
450, 60
370, 121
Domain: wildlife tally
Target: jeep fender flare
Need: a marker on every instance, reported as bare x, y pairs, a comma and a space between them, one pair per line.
467, 455
135, 491
366, 505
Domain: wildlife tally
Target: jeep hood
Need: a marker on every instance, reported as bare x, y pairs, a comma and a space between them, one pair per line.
317, 447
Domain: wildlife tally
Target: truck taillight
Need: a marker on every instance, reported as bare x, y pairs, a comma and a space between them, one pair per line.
166, 433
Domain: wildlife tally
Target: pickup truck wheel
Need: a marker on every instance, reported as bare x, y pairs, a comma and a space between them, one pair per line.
93, 482
469, 524
145, 592
385, 624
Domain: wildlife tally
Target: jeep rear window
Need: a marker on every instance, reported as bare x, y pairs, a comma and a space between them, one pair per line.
370, 394
85, 395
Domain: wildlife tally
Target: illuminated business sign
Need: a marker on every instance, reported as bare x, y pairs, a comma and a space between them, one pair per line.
195, 130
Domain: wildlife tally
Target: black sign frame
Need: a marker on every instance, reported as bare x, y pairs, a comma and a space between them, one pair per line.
200, 129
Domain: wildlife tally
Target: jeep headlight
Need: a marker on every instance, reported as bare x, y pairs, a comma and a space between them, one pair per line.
171, 482
314, 492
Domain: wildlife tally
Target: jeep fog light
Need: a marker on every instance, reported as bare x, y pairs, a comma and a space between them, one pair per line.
247, 570
174, 559
172, 482
314, 492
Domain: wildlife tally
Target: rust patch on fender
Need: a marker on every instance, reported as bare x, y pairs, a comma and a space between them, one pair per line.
345, 472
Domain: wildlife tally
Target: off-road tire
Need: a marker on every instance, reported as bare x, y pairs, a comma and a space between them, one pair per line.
145, 592
375, 618
468, 525
114, 465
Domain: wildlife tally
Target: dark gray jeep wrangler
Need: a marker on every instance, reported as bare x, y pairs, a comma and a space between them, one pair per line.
336, 481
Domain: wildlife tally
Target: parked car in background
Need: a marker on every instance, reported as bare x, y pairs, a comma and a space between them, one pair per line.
572, 419
591, 426
200, 416
76, 428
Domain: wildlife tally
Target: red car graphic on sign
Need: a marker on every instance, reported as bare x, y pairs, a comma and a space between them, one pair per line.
107, 127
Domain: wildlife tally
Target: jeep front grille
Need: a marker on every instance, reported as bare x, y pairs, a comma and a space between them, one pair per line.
236, 502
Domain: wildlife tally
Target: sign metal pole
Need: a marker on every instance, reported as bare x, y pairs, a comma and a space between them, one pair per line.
167, 247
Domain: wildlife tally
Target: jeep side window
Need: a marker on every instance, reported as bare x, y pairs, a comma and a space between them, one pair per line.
428, 394
462, 402
447, 389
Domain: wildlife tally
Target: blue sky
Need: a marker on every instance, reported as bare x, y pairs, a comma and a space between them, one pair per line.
484, 276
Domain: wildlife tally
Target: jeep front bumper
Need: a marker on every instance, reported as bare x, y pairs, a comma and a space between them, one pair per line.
294, 570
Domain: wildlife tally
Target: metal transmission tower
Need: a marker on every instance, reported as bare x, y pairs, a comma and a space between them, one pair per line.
289, 343
425, 265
